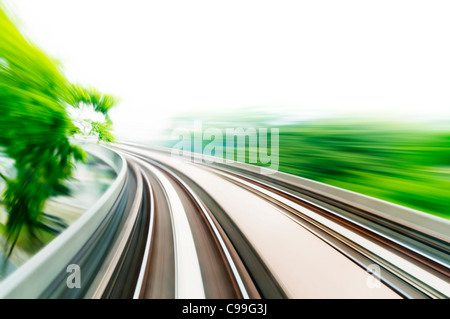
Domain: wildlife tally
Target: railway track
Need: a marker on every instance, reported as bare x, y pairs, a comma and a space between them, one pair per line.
183, 229
401, 264
178, 262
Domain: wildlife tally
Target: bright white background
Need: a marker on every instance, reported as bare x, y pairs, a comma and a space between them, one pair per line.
377, 58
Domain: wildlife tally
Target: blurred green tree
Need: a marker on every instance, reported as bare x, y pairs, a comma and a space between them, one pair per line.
36, 127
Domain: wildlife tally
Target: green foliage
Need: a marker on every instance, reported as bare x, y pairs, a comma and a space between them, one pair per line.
406, 166
34, 95
103, 131
90, 96
99, 102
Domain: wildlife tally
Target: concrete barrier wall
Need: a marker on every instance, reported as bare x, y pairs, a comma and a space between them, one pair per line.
33, 277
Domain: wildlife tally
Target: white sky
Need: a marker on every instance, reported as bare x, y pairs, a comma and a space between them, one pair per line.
375, 57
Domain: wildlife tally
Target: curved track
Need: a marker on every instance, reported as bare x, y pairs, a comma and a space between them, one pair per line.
186, 254
212, 231
171, 227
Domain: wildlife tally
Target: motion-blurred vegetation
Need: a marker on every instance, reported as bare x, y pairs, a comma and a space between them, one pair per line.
407, 164
36, 131
410, 167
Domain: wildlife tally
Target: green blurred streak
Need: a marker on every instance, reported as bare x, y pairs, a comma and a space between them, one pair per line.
405, 164
36, 127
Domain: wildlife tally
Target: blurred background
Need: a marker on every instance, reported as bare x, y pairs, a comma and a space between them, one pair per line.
359, 90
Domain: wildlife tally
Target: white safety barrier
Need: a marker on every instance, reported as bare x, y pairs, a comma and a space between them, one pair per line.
31, 279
